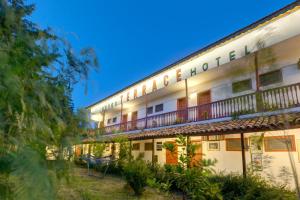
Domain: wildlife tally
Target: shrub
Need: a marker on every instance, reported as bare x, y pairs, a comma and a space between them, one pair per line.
114, 168
252, 187
197, 186
136, 174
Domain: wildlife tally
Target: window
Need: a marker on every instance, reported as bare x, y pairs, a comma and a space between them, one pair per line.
108, 121
136, 147
213, 146
279, 143
159, 146
159, 108
213, 138
114, 120
148, 146
242, 86
150, 110
234, 144
270, 78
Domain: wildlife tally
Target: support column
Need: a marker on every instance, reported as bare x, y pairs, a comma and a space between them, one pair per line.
259, 105
243, 155
153, 151
146, 118
103, 119
256, 71
187, 100
188, 143
121, 112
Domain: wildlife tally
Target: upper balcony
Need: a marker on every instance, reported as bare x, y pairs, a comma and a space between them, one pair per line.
274, 99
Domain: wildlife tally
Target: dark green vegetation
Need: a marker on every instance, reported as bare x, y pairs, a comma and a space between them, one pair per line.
38, 70
197, 182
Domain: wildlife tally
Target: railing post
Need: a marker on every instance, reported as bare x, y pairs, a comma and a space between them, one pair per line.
259, 101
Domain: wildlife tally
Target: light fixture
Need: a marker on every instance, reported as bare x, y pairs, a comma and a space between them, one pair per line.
193, 95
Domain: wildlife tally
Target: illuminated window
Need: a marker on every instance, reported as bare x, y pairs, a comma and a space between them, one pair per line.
213, 138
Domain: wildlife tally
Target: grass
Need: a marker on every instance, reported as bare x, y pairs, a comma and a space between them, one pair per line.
83, 187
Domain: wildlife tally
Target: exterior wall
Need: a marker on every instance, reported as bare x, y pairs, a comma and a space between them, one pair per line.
231, 161
220, 89
276, 30
219, 81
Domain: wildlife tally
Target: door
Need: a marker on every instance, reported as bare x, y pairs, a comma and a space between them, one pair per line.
181, 110
124, 122
134, 120
78, 151
204, 106
172, 157
198, 153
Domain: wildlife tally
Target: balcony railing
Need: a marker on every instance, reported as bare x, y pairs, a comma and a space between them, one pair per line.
262, 101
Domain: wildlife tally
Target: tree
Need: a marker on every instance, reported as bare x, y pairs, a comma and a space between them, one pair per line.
38, 70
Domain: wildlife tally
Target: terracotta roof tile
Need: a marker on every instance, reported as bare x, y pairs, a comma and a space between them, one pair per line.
254, 124
263, 123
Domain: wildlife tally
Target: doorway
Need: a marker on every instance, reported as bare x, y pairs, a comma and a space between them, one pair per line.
172, 157
204, 105
182, 113
124, 122
134, 116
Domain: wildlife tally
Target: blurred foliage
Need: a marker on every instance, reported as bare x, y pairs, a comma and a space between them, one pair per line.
38, 70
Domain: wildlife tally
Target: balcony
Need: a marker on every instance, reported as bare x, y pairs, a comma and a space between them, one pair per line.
285, 97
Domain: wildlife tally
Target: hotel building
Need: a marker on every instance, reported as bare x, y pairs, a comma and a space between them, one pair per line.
238, 99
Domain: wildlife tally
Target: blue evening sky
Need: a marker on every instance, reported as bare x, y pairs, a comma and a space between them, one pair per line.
134, 38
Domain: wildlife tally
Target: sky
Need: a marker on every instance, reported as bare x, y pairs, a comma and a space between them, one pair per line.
134, 38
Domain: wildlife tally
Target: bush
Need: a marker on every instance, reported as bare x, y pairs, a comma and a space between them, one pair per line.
136, 174
114, 168
252, 187
193, 182
197, 186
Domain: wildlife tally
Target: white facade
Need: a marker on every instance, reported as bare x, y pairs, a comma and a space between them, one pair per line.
216, 69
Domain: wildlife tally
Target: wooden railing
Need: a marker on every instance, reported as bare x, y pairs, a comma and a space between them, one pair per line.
262, 101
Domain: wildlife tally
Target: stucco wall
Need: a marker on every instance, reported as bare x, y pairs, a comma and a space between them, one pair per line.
231, 161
